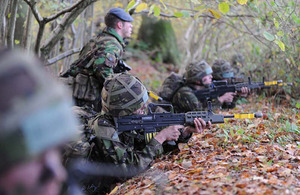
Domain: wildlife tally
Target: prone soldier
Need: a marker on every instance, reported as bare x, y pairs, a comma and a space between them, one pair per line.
198, 76
223, 71
237, 62
124, 95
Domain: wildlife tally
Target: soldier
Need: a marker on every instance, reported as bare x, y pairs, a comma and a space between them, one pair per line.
35, 118
198, 76
237, 62
123, 95
99, 59
222, 71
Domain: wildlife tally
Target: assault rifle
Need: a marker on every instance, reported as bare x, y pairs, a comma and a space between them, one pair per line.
150, 122
219, 88
122, 67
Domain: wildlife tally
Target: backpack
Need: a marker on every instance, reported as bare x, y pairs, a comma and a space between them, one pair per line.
170, 86
86, 55
86, 87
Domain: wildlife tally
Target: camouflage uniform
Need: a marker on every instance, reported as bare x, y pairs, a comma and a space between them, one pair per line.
222, 70
109, 49
237, 62
97, 61
122, 95
184, 99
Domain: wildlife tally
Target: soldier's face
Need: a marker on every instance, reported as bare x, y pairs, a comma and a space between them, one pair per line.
207, 79
127, 29
43, 175
141, 110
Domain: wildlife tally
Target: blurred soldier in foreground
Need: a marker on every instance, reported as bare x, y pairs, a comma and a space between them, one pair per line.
123, 95
100, 58
223, 71
35, 118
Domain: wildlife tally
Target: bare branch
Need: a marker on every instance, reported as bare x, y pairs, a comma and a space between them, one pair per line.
58, 32
37, 15
69, 9
192, 15
63, 55
256, 37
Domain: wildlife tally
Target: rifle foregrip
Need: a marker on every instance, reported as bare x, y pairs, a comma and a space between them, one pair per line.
206, 116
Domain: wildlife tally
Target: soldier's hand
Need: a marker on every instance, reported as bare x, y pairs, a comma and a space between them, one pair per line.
244, 92
227, 97
200, 125
170, 133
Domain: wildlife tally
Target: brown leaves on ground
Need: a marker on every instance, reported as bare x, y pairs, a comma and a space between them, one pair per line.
243, 156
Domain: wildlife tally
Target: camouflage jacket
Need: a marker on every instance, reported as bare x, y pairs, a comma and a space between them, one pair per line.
185, 100
127, 149
108, 53
106, 49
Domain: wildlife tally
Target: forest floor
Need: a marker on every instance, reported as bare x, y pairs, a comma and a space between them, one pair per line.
241, 156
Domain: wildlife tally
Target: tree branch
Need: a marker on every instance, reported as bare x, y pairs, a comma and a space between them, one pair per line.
192, 15
63, 55
58, 32
254, 34
32, 5
69, 9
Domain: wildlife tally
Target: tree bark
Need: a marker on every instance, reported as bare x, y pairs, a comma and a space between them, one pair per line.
20, 21
3, 7
12, 24
88, 28
27, 31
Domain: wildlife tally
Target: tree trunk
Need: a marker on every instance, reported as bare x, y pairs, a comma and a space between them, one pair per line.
88, 14
12, 24
20, 21
3, 7
27, 31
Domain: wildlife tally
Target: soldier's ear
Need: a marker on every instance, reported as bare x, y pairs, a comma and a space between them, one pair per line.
119, 25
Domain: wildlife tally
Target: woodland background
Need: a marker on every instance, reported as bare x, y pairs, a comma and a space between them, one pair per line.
259, 156
174, 32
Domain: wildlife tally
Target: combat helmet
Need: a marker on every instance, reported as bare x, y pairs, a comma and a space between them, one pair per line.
237, 62
222, 70
35, 112
123, 94
196, 71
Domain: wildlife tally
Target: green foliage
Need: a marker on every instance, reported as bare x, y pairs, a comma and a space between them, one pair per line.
269, 36
160, 37
141, 45
223, 7
298, 105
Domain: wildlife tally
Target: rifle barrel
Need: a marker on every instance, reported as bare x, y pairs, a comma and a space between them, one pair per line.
243, 116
